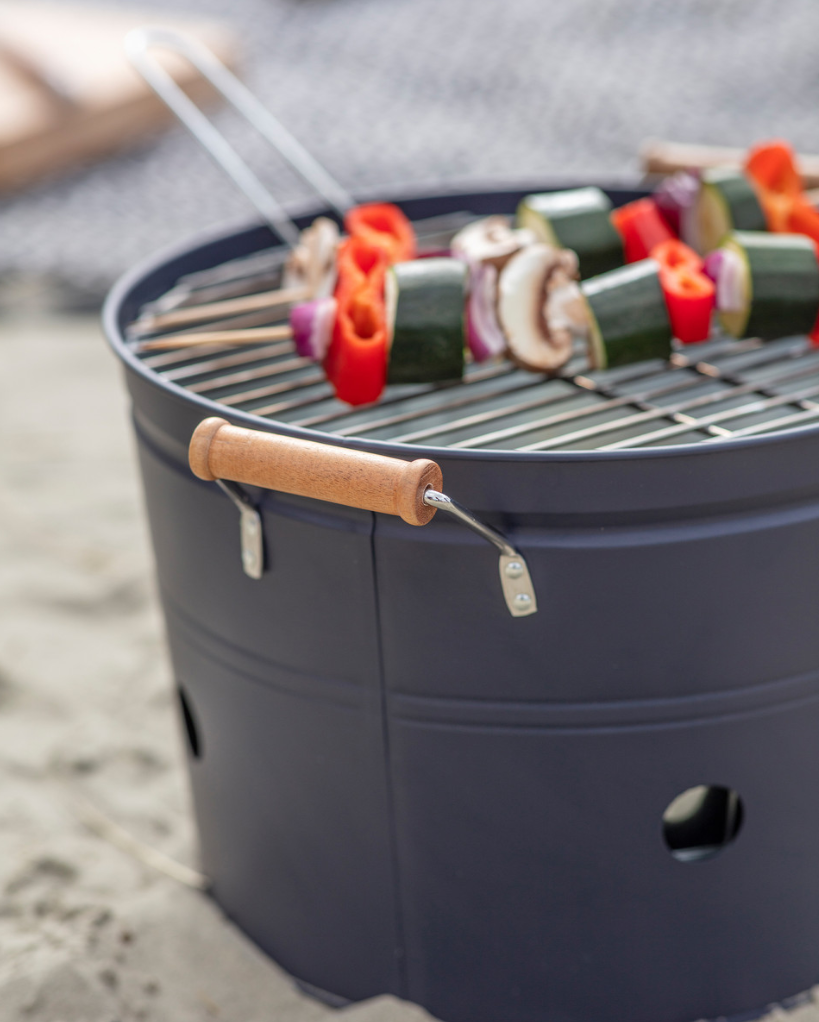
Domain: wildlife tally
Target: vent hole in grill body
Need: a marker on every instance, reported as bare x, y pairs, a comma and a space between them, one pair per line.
701, 821
191, 728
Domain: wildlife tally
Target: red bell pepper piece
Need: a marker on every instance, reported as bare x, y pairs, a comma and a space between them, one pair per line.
689, 294
359, 263
803, 219
641, 226
675, 254
383, 225
356, 361
772, 168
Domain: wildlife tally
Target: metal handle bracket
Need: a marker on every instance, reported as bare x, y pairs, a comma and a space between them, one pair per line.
230, 455
251, 534
516, 581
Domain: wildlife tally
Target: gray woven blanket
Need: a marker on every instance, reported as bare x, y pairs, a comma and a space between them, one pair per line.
386, 91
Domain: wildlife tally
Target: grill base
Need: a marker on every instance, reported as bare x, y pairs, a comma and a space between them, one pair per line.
401, 789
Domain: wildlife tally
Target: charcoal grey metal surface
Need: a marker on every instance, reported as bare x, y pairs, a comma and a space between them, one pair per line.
428, 90
400, 788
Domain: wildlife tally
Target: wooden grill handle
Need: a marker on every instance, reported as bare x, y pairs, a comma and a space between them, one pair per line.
371, 482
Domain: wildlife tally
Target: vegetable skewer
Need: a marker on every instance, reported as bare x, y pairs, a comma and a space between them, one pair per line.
660, 157
578, 219
360, 322
628, 315
508, 292
768, 285
309, 272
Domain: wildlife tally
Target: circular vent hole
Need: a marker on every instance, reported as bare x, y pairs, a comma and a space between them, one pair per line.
701, 821
191, 730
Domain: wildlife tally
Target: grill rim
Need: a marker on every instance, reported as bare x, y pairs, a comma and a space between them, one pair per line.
124, 298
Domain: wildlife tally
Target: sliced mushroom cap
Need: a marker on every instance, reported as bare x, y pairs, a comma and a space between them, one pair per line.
312, 263
537, 301
490, 240
564, 307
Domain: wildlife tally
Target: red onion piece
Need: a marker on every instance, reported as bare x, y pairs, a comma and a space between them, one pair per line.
483, 332
731, 292
675, 195
713, 264
312, 325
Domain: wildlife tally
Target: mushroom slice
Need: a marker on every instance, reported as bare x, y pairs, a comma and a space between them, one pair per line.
537, 307
490, 240
312, 263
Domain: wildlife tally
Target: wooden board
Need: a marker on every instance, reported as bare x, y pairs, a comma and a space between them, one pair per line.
68, 95
659, 157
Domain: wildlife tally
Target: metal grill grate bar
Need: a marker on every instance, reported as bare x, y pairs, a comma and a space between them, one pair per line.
266, 371
306, 380
731, 413
494, 392
208, 365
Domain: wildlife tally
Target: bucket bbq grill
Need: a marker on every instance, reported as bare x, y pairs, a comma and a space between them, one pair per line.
608, 809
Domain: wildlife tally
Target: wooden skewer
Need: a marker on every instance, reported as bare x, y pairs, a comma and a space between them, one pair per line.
216, 310
667, 157
262, 335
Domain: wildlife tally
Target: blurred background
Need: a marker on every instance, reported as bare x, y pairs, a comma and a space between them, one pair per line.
385, 94
420, 91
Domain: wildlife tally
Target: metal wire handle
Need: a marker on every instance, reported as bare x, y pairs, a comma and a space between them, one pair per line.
227, 455
140, 41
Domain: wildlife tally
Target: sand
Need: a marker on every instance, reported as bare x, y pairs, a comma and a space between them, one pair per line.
88, 932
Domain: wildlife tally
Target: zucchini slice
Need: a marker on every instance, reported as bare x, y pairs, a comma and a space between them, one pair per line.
780, 286
577, 219
628, 318
426, 309
726, 202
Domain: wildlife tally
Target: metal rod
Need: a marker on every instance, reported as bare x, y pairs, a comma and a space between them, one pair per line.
733, 387
583, 383
463, 401
783, 423
516, 582
718, 417
452, 507
325, 393
137, 45
210, 365
251, 376
781, 367
307, 380
420, 399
